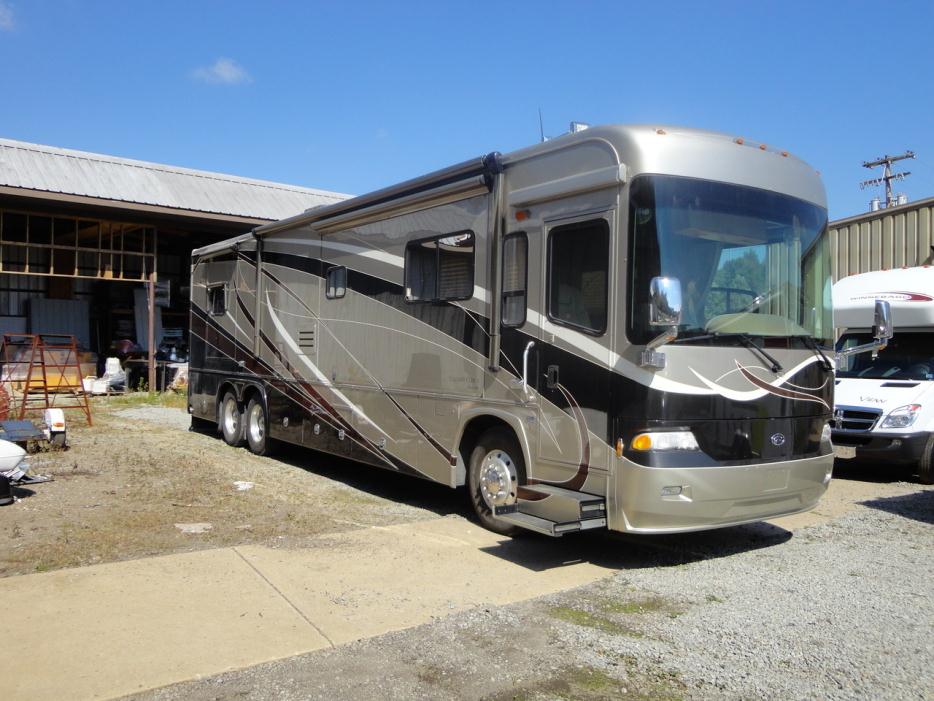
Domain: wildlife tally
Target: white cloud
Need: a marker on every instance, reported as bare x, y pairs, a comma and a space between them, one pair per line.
224, 71
6, 17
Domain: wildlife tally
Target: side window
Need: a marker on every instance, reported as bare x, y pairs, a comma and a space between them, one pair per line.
217, 299
440, 268
515, 278
578, 268
336, 283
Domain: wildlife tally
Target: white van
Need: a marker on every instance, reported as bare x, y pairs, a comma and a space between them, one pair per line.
884, 402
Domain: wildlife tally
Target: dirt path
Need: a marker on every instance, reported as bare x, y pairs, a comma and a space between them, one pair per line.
131, 486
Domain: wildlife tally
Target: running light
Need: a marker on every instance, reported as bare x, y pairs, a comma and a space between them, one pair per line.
902, 417
665, 440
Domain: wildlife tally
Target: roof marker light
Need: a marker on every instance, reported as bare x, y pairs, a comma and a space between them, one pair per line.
762, 147
522, 214
739, 140
784, 154
660, 131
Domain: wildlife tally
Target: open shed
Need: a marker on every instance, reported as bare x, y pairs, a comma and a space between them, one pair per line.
98, 246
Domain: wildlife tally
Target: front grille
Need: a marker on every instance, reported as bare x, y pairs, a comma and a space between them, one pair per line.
853, 418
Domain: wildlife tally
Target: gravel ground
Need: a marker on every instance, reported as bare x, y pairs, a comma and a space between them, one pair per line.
840, 610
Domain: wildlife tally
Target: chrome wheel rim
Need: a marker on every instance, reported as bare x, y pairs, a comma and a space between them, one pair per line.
231, 417
257, 424
498, 480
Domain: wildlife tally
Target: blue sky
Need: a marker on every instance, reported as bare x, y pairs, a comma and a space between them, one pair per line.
354, 96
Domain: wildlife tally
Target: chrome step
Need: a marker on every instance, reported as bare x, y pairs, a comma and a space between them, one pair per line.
554, 511
543, 525
560, 505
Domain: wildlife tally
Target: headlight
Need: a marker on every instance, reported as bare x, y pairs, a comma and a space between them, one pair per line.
825, 433
902, 417
665, 440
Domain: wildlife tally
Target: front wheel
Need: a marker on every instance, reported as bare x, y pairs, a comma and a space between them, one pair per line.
231, 420
257, 427
926, 464
494, 474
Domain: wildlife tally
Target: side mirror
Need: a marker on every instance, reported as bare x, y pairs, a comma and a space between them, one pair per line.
882, 321
665, 301
664, 310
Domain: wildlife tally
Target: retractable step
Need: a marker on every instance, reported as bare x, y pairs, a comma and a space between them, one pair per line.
554, 511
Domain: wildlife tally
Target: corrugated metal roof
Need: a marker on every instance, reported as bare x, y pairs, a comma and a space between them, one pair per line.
51, 169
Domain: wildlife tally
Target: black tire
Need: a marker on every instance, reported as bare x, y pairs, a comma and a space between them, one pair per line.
491, 441
230, 417
58, 441
256, 427
926, 464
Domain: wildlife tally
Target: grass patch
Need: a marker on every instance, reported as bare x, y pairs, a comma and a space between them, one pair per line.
135, 399
586, 619
644, 605
592, 684
714, 599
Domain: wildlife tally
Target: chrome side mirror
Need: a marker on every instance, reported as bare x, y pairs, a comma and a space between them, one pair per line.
882, 330
664, 310
882, 321
665, 301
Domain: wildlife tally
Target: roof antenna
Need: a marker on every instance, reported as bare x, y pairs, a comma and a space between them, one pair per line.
541, 128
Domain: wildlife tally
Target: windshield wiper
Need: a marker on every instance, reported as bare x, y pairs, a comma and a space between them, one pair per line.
813, 345
745, 339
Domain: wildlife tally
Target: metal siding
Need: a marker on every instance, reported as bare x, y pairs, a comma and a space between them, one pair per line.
91, 175
890, 238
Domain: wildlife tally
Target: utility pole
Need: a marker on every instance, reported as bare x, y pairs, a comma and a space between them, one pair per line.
887, 175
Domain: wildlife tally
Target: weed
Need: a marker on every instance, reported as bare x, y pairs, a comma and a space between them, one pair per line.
586, 619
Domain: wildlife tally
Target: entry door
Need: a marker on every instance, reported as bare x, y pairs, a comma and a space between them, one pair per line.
575, 343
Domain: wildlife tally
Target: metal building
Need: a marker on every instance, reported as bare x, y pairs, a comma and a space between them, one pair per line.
99, 246
894, 237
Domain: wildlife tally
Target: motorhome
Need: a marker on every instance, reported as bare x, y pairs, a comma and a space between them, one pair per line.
617, 328
884, 403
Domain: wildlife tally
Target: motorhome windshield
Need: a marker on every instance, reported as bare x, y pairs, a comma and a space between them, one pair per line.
751, 262
908, 356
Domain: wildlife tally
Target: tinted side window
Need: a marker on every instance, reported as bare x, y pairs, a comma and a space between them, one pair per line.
515, 278
440, 268
217, 299
336, 283
579, 257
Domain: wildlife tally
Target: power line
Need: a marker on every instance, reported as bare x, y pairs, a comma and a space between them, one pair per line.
887, 176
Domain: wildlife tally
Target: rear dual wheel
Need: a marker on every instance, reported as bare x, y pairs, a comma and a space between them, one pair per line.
257, 427
231, 420
250, 427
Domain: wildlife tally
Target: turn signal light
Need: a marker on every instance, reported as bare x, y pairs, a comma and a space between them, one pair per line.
642, 442
665, 440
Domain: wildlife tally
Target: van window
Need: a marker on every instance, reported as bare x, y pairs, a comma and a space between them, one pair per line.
515, 278
336, 283
440, 268
578, 268
217, 299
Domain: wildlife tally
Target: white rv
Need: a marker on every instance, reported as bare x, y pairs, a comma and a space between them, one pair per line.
618, 328
884, 403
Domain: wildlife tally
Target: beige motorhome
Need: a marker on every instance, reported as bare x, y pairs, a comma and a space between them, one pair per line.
618, 328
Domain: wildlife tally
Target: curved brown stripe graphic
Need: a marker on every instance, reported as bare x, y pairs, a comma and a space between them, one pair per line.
780, 391
577, 481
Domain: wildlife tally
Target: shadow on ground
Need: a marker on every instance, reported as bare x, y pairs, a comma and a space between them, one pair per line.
530, 550
918, 506
872, 472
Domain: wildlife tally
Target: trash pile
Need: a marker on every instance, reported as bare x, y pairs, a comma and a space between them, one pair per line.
113, 380
13, 471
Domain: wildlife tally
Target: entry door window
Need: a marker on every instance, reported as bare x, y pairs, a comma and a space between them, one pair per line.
579, 259
515, 278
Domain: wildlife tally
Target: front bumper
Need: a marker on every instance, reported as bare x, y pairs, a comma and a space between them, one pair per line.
713, 497
890, 448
